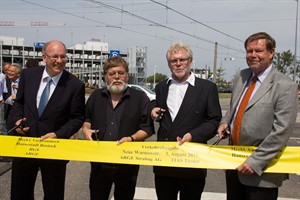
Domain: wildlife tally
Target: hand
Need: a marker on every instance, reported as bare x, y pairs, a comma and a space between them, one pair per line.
124, 139
157, 113
245, 169
21, 130
221, 129
48, 135
87, 133
186, 138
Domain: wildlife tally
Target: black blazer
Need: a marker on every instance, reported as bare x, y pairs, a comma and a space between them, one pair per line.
64, 113
199, 114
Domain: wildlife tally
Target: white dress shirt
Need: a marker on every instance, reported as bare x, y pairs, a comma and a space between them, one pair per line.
176, 94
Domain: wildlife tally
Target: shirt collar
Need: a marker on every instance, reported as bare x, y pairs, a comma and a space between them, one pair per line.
190, 80
261, 77
55, 79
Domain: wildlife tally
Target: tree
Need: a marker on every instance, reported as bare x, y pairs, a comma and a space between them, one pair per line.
158, 77
284, 62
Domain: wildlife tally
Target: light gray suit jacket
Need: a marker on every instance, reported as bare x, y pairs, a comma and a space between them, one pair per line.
267, 123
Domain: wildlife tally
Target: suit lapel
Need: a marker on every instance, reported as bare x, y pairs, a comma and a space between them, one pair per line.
188, 100
263, 89
57, 93
240, 87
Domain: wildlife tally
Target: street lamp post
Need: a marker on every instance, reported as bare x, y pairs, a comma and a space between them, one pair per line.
296, 34
154, 76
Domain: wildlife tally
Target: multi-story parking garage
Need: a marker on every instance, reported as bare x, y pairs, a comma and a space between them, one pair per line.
84, 60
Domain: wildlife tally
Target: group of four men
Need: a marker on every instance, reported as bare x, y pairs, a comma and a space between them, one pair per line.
187, 109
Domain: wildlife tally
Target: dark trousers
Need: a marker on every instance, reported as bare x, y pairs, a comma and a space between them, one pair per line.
103, 176
24, 173
237, 191
168, 188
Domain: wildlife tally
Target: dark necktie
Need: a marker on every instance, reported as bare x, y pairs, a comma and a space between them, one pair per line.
45, 96
239, 116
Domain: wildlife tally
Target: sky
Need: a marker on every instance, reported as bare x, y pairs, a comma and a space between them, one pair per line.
155, 24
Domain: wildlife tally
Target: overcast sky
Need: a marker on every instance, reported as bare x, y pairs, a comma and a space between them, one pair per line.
155, 24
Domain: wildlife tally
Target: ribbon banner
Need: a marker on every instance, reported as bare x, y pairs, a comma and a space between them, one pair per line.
191, 155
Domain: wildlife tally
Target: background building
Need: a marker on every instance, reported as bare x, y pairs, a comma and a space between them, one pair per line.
85, 60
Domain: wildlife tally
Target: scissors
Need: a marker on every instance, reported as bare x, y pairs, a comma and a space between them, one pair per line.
225, 134
159, 116
11, 131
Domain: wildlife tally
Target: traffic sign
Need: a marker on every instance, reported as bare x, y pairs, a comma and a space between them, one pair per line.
39, 44
114, 53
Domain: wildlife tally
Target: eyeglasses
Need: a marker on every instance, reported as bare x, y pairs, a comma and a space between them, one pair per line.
55, 58
181, 60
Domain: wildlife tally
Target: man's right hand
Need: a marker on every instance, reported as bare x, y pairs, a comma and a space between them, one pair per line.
87, 133
157, 113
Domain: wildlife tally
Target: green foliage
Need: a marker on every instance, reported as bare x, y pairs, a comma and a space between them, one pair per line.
158, 77
284, 62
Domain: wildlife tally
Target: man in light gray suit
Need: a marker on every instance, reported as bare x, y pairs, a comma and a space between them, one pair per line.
267, 123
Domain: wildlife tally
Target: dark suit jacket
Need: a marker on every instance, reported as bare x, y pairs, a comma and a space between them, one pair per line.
64, 113
199, 114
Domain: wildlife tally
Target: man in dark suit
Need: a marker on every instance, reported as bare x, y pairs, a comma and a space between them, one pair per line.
267, 121
59, 117
190, 112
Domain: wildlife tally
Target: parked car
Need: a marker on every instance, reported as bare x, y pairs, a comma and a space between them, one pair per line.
148, 92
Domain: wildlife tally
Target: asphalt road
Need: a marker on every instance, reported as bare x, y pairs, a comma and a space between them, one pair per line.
77, 179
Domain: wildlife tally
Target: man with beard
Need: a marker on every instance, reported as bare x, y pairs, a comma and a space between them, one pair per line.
116, 113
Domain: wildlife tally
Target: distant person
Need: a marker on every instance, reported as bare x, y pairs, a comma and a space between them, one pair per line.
3, 90
262, 113
12, 83
188, 110
51, 103
116, 113
31, 62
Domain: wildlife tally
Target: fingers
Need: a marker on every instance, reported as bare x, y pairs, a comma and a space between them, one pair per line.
221, 129
87, 134
124, 139
245, 169
48, 135
186, 138
157, 114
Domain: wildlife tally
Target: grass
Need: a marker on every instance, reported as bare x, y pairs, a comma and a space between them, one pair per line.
225, 95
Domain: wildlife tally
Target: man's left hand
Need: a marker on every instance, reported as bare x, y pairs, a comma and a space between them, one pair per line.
48, 135
245, 169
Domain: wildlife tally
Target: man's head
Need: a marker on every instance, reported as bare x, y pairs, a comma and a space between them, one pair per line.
116, 74
31, 62
54, 55
14, 71
260, 50
180, 58
5, 67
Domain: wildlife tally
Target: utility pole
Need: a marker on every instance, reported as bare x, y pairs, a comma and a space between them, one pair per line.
296, 34
215, 63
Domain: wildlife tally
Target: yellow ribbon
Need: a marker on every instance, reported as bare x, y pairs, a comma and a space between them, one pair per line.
191, 155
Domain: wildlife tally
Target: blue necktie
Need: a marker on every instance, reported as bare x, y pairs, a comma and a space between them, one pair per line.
45, 96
